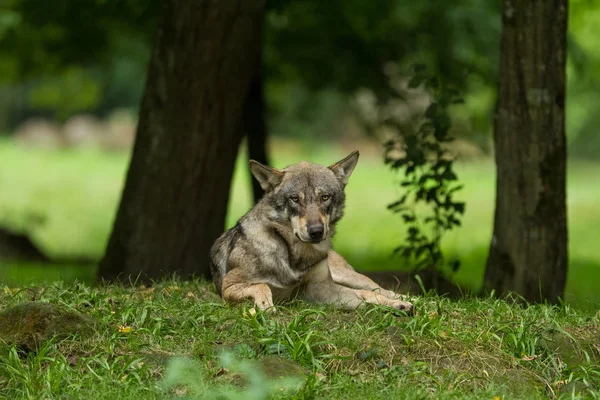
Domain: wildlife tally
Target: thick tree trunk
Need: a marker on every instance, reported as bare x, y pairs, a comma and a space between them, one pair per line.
175, 197
528, 253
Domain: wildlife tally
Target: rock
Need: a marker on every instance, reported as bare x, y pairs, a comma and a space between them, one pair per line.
31, 323
39, 132
82, 131
120, 131
272, 367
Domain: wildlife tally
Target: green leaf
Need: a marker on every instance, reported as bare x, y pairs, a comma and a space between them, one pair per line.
399, 249
408, 218
455, 189
398, 202
399, 163
421, 250
432, 194
449, 175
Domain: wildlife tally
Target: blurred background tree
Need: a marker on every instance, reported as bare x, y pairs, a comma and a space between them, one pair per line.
62, 57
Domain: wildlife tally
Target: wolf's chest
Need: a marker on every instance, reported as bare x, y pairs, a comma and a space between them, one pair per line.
305, 255
290, 268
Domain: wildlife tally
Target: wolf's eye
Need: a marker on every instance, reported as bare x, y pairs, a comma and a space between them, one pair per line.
294, 198
325, 197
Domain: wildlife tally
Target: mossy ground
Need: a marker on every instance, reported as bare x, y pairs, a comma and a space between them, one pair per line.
28, 324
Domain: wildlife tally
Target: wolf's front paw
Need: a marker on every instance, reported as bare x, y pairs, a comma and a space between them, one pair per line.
407, 307
266, 306
390, 294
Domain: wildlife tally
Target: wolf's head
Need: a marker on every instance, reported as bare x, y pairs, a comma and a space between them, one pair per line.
309, 197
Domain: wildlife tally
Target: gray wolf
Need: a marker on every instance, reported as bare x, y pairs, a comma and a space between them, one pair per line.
282, 247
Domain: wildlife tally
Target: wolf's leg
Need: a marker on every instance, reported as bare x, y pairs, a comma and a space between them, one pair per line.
234, 289
344, 297
321, 288
343, 274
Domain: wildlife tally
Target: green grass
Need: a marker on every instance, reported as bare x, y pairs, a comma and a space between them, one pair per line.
169, 342
77, 193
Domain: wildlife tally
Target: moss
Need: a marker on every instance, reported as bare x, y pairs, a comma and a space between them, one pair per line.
577, 348
273, 368
31, 323
278, 367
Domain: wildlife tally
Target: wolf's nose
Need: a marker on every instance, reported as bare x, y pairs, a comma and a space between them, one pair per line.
315, 231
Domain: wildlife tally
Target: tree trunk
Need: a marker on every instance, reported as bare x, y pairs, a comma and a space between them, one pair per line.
254, 120
256, 129
175, 198
528, 253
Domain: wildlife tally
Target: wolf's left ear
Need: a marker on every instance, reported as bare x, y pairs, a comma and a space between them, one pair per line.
343, 168
268, 177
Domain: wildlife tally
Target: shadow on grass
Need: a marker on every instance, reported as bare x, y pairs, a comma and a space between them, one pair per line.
582, 279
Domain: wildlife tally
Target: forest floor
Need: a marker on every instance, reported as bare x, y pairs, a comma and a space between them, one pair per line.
178, 340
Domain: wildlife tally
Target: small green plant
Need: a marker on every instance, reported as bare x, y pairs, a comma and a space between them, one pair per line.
186, 376
429, 180
297, 339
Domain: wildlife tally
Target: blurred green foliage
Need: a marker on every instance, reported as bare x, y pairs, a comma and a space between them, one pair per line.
71, 90
583, 73
429, 179
59, 57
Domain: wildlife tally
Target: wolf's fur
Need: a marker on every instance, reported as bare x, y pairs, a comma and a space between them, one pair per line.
282, 246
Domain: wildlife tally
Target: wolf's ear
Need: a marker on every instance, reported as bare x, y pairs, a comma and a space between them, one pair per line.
343, 168
268, 177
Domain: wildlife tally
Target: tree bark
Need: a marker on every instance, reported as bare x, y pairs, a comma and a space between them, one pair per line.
255, 125
174, 202
256, 129
528, 253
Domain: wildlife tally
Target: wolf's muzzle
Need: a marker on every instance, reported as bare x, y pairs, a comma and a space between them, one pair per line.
315, 231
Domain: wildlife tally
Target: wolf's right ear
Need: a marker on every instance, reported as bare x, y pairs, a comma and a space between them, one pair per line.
343, 168
268, 177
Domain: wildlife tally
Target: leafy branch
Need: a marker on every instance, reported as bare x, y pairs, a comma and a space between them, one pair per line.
429, 179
